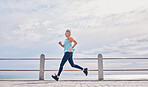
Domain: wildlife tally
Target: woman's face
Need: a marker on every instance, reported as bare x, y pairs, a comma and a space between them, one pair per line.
67, 34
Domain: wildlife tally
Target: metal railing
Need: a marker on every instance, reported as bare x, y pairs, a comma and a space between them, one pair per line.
99, 58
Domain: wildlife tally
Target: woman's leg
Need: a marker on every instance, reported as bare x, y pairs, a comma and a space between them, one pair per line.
64, 59
70, 59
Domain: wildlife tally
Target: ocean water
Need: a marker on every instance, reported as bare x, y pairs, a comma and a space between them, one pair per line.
73, 75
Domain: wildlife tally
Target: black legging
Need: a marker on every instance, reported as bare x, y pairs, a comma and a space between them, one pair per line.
68, 56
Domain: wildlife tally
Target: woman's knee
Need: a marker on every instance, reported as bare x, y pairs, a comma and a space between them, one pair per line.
73, 65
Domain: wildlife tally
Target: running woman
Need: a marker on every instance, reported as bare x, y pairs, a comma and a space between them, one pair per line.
68, 55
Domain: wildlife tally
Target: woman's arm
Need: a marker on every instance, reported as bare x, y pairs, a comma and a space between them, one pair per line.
75, 43
61, 44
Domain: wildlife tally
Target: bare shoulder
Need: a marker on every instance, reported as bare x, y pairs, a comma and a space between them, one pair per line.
70, 38
73, 40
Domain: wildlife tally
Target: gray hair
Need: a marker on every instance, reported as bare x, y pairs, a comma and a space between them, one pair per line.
69, 31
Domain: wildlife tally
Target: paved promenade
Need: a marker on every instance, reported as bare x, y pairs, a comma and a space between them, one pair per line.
73, 83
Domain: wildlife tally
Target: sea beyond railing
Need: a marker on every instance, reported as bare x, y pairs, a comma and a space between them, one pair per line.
99, 70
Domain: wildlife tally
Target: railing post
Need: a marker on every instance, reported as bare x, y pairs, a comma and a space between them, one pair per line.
100, 67
42, 63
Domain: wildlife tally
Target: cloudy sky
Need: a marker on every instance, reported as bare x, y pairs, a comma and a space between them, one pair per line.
114, 28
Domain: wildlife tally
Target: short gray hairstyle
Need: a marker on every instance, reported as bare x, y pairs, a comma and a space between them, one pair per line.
69, 31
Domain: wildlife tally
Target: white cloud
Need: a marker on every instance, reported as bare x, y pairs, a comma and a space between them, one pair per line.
30, 33
25, 34
127, 47
28, 23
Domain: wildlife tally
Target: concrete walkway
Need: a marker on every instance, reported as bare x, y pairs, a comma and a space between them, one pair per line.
73, 83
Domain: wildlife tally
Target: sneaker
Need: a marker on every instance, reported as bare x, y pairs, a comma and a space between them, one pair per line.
55, 77
86, 71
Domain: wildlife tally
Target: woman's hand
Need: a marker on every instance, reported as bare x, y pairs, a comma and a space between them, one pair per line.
70, 49
60, 42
